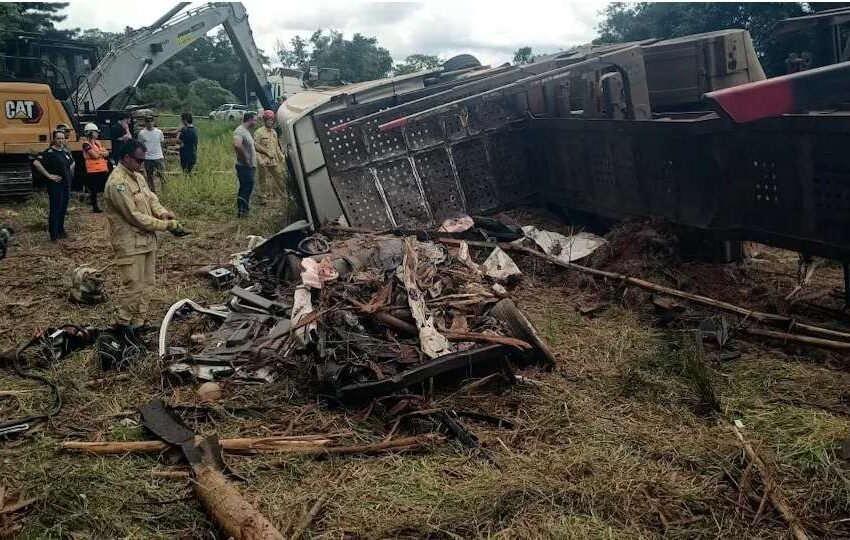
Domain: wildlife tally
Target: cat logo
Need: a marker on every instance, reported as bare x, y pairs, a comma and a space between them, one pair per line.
28, 111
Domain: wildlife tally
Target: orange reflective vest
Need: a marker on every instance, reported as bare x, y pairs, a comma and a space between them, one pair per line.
95, 163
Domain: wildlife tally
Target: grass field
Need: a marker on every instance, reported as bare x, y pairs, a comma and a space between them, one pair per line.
613, 444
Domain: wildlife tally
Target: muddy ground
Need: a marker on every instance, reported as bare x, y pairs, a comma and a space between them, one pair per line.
615, 443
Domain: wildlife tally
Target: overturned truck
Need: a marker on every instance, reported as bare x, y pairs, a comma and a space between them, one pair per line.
688, 130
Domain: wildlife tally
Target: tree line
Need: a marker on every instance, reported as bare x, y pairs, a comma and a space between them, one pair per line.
202, 77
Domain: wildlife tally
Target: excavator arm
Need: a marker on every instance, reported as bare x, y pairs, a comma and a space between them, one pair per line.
148, 48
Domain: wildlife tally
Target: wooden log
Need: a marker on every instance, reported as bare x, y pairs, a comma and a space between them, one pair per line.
236, 446
109, 448
235, 515
761, 316
230, 446
796, 338
772, 489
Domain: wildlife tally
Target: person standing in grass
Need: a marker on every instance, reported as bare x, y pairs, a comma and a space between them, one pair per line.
188, 137
153, 139
269, 159
135, 215
97, 168
119, 133
246, 162
56, 165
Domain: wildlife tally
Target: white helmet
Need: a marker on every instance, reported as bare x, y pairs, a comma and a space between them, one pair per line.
91, 127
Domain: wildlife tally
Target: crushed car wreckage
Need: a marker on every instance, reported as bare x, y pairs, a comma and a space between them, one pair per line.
359, 315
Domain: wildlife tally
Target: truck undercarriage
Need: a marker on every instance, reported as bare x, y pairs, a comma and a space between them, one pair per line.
610, 133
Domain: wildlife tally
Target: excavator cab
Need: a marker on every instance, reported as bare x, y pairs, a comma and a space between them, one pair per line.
38, 75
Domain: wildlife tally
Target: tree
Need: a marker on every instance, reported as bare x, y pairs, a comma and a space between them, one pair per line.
417, 62
633, 22
162, 96
523, 55
357, 59
210, 57
102, 40
297, 56
38, 17
204, 95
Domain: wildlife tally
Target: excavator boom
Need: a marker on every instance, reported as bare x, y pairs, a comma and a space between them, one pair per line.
146, 49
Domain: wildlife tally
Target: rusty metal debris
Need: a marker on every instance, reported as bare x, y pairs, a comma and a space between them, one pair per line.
399, 317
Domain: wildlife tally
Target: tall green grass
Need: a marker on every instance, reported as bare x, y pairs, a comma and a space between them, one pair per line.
210, 190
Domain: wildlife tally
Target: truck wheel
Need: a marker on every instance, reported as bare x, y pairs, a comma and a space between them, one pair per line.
461, 61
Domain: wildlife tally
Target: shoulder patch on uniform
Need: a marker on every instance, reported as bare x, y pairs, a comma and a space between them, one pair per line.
120, 188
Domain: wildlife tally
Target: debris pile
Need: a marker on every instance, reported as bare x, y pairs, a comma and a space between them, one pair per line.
359, 315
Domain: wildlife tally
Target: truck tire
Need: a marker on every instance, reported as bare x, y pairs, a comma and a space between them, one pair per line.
461, 61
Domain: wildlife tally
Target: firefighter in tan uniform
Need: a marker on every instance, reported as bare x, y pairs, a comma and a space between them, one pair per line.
135, 215
269, 159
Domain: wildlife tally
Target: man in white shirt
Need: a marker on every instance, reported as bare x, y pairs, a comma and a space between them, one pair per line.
153, 139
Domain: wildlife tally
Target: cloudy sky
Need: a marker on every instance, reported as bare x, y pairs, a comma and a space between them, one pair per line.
490, 30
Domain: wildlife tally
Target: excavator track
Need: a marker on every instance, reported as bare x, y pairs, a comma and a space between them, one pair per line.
15, 180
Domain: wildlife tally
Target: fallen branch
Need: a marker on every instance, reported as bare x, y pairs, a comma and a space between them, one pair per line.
288, 445
309, 517
772, 489
487, 338
238, 518
230, 446
761, 316
783, 336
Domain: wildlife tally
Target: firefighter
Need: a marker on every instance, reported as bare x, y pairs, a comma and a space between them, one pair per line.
135, 215
97, 168
269, 159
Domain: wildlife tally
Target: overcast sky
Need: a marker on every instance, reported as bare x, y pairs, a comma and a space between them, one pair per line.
490, 30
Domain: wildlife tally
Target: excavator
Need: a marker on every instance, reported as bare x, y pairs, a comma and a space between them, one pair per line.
45, 82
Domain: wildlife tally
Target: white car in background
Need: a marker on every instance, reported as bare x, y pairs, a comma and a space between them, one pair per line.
229, 111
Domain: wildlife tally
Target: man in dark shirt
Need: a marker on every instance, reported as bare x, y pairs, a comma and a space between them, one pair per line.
57, 167
188, 138
119, 134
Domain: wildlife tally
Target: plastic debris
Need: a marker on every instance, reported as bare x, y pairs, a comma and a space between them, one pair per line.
566, 248
500, 267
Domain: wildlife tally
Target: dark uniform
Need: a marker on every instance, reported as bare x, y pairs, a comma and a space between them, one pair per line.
116, 135
188, 148
58, 162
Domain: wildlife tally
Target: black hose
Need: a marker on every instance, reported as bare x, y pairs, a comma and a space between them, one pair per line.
17, 365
